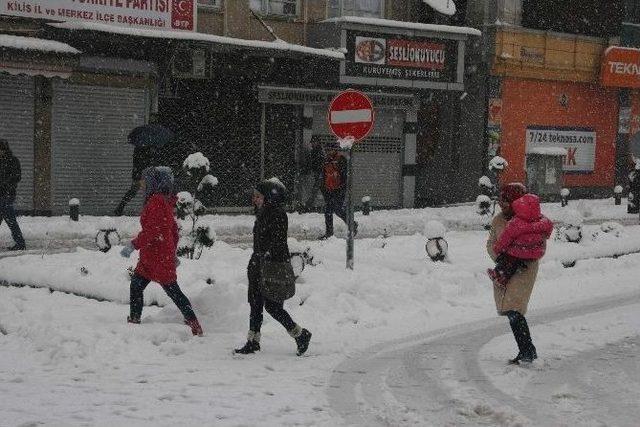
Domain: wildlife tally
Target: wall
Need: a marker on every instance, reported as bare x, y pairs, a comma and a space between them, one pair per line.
535, 102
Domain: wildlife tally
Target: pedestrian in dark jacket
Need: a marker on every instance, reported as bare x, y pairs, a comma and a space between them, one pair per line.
334, 189
269, 242
157, 243
10, 175
313, 167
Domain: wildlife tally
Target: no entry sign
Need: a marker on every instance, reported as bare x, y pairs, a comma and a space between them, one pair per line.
351, 115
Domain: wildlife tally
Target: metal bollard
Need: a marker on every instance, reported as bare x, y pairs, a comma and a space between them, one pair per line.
564, 197
617, 194
74, 209
366, 205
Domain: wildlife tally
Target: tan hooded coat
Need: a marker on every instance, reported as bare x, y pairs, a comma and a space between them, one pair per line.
518, 291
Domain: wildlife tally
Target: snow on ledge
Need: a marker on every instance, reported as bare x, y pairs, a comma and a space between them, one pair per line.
32, 43
406, 25
211, 38
547, 151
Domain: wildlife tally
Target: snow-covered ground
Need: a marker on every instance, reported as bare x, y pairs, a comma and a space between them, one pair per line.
71, 360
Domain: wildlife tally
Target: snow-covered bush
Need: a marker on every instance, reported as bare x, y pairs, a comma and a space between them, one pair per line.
189, 207
498, 164
570, 229
608, 229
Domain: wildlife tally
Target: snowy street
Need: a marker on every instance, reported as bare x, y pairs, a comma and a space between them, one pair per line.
399, 341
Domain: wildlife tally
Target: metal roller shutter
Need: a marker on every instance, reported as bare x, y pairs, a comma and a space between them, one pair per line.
91, 159
377, 160
17, 127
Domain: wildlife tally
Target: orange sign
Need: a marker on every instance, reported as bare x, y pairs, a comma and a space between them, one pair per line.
621, 67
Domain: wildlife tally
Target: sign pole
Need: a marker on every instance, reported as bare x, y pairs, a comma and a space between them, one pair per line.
350, 246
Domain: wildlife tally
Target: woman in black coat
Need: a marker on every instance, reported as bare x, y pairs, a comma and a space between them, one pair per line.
269, 242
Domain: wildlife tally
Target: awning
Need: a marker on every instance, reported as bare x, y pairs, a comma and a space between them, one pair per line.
8, 41
279, 45
415, 26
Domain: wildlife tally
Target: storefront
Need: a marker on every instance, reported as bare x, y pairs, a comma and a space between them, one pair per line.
542, 101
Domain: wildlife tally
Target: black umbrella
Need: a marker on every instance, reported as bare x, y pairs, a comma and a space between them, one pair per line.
151, 135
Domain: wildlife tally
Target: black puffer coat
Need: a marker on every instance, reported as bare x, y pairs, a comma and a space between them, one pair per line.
270, 233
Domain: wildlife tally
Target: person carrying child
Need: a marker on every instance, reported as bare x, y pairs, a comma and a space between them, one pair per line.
523, 239
157, 243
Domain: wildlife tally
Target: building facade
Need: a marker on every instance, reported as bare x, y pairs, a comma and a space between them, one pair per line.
552, 66
249, 88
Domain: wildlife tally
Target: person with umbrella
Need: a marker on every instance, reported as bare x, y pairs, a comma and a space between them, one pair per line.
147, 141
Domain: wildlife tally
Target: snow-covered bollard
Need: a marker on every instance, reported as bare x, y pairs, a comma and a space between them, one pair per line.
437, 247
74, 209
106, 238
564, 197
366, 205
617, 194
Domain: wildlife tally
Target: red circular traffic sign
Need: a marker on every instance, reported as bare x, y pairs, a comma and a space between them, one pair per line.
351, 115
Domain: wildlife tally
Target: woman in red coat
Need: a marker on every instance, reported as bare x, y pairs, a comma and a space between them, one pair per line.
157, 243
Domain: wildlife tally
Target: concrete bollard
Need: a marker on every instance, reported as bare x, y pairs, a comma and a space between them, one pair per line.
74, 209
564, 197
366, 205
617, 194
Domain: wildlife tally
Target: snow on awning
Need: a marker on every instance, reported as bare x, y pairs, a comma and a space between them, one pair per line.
416, 26
446, 7
31, 43
278, 45
547, 151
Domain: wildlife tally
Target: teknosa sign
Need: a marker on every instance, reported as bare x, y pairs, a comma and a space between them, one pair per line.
621, 67
147, 14
351, 115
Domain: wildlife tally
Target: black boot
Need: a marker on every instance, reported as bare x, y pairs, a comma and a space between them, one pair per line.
526, 350
249, 348
252, 345
302, 341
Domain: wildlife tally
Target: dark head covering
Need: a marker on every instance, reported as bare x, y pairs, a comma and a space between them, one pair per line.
273, 190
158, 179
512, 191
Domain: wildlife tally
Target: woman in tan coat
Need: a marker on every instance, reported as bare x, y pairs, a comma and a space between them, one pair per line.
513, 299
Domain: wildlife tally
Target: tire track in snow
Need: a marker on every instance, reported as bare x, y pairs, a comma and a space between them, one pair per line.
435, 378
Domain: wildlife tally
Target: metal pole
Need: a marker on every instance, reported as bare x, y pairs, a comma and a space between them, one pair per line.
263, 137
350, 209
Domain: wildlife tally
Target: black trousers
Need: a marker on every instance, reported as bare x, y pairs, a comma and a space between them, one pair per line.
128, 196
521, 333
257, 302
136, 298
333, 204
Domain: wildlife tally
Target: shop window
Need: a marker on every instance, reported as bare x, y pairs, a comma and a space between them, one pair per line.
275, 7
364, 8
213, 4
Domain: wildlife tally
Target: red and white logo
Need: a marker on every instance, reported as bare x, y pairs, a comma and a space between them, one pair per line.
182, 15
351, 115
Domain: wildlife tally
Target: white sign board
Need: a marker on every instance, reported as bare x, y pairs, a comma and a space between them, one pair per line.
580, 144
147, 14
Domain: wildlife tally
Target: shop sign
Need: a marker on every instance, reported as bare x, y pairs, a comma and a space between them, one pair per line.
580, 144
147, 14
532, 54
384, 59
621, 67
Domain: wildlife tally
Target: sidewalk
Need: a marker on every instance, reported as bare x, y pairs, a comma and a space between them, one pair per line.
59, 234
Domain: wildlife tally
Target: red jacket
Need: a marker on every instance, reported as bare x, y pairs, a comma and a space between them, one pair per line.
158, 240
526, 233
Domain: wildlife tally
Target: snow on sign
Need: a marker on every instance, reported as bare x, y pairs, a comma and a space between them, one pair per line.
147, 14
351, 115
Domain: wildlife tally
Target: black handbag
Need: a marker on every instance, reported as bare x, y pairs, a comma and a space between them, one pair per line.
278, 282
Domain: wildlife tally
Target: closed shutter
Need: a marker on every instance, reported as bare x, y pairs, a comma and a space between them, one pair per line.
17, 127
377, 159
91, 159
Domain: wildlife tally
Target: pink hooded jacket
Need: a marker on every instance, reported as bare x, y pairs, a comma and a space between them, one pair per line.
526, 233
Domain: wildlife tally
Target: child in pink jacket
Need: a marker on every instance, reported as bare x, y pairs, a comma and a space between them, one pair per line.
523, 239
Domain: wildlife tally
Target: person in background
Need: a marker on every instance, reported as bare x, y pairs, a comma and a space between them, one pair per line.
512, 300
269, 240
157, 243
334, 189
10, 175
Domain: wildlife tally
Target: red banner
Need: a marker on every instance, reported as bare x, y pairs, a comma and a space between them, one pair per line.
418, 54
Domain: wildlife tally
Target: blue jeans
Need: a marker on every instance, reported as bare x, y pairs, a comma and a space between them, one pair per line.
8, 213
136, 301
